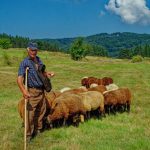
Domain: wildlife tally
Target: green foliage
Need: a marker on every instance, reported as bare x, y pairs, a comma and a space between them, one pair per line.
113, 43
98, 51
21, 42
103, 44
125, 53
137, 58
78, 49
5, 43
6, 59
17, 41
144, 50
43, 45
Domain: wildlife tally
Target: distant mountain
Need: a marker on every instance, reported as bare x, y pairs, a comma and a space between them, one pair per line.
112, 42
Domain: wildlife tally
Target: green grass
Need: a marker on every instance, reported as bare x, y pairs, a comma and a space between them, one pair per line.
121, 132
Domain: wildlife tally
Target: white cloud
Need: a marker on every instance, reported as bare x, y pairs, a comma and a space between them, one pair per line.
130, 11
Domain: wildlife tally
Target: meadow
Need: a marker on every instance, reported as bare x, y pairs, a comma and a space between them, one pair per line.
122, 131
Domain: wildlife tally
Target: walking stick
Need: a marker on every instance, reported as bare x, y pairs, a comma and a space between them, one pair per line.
25, 108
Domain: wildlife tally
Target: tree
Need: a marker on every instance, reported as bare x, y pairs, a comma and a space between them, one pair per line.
98, 51
146, 51
78, 49
5, 43
125, 53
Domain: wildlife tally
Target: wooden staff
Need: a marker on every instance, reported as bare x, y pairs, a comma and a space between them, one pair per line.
25, 108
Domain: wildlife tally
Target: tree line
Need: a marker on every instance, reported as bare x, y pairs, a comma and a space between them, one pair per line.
79, 47
8, 41
143, 51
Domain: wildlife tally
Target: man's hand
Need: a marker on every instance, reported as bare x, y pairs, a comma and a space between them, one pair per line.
49, 74
26, 94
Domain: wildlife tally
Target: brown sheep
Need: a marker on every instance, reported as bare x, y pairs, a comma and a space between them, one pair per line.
84, 81
87, 81
21, 108
107, 81
91, 80
125, 100
120, 97
93, 100
50, 96
64, 106
110, 101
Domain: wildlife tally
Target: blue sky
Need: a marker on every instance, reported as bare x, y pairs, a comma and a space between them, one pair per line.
71, 18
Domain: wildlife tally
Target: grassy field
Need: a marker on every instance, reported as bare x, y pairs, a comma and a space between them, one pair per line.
120, 132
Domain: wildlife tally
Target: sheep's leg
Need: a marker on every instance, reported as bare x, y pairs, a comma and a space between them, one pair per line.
103, 113
115, 108
124, 107
82, 118
76, 120
128, 108
105, 107
88, 115
50, 125
85, 116
120, 108
64, 122
113, 111
108, 109
98, 113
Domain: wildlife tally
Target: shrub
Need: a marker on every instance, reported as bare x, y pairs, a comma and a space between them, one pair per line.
137, 58
78, 49
5, 43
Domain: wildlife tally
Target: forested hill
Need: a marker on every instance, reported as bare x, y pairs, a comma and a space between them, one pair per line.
112, 42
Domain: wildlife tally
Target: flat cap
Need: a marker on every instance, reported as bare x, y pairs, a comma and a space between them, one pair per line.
32, 46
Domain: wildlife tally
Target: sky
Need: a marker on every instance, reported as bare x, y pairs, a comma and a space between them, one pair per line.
71, 18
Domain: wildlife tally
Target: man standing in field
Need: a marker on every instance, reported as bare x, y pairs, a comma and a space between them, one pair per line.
36, 107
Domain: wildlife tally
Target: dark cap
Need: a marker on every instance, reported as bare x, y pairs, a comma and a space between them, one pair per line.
33, 46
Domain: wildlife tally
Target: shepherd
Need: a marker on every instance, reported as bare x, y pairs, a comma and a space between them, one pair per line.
34, 93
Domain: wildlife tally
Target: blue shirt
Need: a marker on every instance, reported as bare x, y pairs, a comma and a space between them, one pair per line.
33, 79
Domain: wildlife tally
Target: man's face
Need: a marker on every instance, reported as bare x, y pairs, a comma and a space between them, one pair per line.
32, 53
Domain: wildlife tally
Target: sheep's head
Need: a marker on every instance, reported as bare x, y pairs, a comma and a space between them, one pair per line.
84, 81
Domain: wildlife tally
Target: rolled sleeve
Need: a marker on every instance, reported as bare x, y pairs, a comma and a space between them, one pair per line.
21, 71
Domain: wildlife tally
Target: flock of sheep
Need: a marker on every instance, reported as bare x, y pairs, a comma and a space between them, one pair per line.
94, 98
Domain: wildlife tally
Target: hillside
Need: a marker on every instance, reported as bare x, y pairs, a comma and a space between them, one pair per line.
122, 131
112, 42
